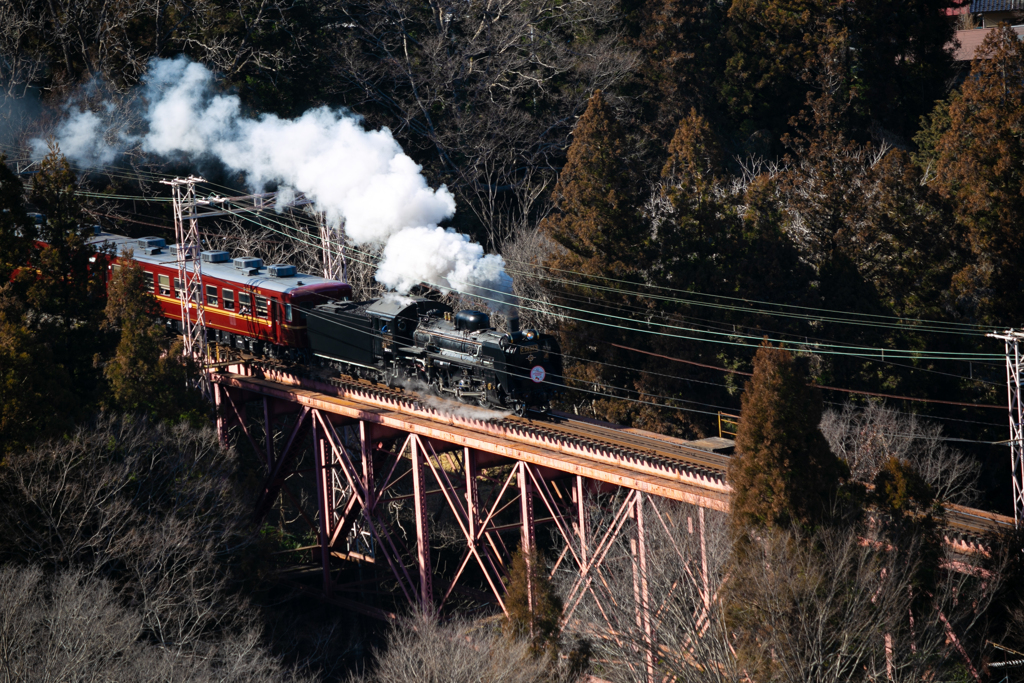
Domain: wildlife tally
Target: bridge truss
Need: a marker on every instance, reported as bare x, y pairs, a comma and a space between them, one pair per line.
365, 449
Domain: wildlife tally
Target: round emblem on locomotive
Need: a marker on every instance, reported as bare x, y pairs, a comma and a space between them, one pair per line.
537, 374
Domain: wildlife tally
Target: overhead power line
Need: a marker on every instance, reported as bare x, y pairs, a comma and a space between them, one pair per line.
818, 386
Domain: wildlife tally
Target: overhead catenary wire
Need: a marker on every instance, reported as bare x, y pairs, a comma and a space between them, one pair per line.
913, 324
826, 349
817, 386
917, 355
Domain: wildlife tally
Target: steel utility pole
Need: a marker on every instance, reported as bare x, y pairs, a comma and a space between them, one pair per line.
1014, 379
189, 287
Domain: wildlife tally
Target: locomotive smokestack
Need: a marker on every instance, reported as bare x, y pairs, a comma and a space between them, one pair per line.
513, 321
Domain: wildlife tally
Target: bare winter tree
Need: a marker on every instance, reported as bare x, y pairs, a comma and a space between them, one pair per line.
688, 554
866, 438
485, 92
833, 607
836, 605
152, 508
293, 238
72, 627
422, 650
525, 252
288, 238
76, 40
18, 68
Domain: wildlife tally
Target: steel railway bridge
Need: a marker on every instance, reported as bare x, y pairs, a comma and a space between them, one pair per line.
353, 441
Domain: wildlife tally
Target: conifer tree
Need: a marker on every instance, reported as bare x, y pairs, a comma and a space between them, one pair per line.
601, 233
35, 392
783, 473
981, 169
597, 195
897, 61
683, 46
694, 234
143, 376
69, 288
534, 609
35, 395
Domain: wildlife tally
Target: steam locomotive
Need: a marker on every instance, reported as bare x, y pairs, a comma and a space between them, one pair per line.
422, 343
273, 311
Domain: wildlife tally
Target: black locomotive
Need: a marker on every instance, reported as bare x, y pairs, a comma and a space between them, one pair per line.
421, 343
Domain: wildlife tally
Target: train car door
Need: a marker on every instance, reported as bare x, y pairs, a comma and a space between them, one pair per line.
275, 321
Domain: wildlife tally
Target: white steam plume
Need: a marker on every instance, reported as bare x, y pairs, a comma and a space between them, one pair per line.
360, 179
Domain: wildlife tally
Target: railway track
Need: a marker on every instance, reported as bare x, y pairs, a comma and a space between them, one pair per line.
693, 463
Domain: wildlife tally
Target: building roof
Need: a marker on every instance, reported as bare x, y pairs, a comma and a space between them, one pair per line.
979, 6
970, 40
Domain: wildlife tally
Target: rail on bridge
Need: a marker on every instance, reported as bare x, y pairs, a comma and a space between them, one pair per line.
363, 448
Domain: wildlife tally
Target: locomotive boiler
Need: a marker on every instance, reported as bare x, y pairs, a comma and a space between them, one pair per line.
422, 344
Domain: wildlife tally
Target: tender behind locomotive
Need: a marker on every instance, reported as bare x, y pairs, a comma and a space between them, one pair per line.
407, 341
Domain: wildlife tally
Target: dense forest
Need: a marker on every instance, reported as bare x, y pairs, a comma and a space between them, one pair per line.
804, 214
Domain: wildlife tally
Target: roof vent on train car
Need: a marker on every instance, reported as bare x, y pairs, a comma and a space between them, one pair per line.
281, 270
184, 250
215, 256
247, 263
471, 320
150, 245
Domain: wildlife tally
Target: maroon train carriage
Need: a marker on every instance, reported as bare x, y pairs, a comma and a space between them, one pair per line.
248, 306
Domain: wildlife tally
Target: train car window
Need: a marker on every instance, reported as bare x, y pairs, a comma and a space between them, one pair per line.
178, 288
211, 295
149, 281
287, 313
165, 285
229, 299
262, 306
244, 303
117, 267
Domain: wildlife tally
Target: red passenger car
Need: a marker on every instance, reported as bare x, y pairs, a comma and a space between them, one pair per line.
251, 307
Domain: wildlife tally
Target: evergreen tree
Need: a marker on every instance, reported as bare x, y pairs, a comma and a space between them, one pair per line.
783, 473
895, 64
68, 291
981, 170
694, 225
35, 396
35, 393
143, 376
602, 234
597, 195
695, 231
682, 45
536, 619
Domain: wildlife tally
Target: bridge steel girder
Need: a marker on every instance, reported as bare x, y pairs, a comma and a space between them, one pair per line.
352, 486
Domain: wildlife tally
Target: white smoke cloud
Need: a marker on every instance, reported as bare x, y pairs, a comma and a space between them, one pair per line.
82, 138
360, 179
444, 258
